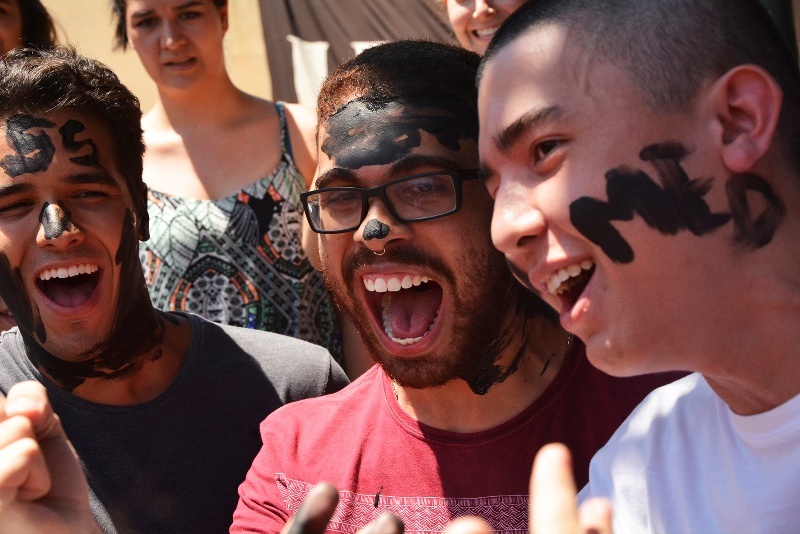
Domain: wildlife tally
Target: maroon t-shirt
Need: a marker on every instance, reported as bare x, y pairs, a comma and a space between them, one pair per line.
381, 459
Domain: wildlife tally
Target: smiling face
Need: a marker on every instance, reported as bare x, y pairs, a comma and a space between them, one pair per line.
476, 21
68, 241
616, 213
10, 26
429, 307
178, 41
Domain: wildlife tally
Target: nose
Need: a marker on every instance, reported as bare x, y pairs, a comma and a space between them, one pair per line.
56, 230
483, 8
171, 35
516, 223
379, 228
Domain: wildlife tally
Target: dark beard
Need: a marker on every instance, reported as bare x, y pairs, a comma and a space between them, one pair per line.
484, 306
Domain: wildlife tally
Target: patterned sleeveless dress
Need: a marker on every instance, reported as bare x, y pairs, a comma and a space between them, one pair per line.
239, 260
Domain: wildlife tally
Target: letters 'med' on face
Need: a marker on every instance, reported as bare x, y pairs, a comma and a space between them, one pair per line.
624, 217
427, 307
69, 268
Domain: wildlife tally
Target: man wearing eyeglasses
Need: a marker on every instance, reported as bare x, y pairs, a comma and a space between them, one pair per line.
474, 373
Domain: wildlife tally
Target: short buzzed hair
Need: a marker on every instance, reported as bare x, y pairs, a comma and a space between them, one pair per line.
670, 48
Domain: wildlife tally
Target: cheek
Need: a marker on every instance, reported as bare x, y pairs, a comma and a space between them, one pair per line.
458, 16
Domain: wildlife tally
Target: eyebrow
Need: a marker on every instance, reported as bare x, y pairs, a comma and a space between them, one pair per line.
531, 119
337, 174
90, 178
14, 189
96, 178
148, 12
403, 167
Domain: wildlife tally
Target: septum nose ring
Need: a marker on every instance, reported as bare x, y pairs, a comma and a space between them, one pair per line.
381, 253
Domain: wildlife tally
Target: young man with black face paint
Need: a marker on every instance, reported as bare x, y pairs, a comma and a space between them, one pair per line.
162, 408
473, 371
655, 142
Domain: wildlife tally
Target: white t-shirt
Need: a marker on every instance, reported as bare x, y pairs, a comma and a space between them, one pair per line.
683, 462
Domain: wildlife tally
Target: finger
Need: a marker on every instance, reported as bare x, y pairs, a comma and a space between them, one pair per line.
23, 472
387, 523
553, 509
594, 516
316, 510
67, 481
468, 525
29, 399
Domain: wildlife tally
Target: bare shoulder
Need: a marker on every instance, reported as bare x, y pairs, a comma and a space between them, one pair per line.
302, 124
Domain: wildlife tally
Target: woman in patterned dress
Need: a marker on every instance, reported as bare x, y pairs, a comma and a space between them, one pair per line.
225, 170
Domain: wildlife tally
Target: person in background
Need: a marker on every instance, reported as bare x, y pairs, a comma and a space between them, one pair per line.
25, 23
224, 171
475, 21
162, 407
22, 23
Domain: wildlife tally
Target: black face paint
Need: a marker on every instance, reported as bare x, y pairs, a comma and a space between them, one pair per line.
485, 373
12, 289
521, 277
363, 133
374, 229
23, 143
68, 131
137, 327
676, 205
55, 221
748, 232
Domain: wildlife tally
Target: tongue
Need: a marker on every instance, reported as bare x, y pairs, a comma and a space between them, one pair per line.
412, 312
69, 292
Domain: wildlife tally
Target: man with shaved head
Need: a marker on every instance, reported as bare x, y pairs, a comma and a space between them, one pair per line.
654, 144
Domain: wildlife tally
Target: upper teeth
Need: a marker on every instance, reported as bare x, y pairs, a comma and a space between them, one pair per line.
486, 32
66, 272
565, 273
394, 283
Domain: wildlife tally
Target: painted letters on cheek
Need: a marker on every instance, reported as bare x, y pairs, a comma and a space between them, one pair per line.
362, 133
34, 152
748, 232
677, 204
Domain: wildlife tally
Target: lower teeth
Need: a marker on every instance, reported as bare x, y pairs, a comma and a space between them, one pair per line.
386, 315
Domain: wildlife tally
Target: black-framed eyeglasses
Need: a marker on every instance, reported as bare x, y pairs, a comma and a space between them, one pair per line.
419, 197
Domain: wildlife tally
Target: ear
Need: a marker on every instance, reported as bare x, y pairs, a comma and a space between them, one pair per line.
747, 101
223, 15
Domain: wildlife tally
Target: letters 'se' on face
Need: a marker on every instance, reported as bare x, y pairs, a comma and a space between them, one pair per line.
67, 231
623, 217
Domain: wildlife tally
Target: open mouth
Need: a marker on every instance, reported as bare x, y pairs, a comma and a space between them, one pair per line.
485, 33
406, 305
71, 286
182, 63
569, 282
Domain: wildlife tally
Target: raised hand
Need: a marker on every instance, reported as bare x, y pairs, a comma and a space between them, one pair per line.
42, 486
553, 505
